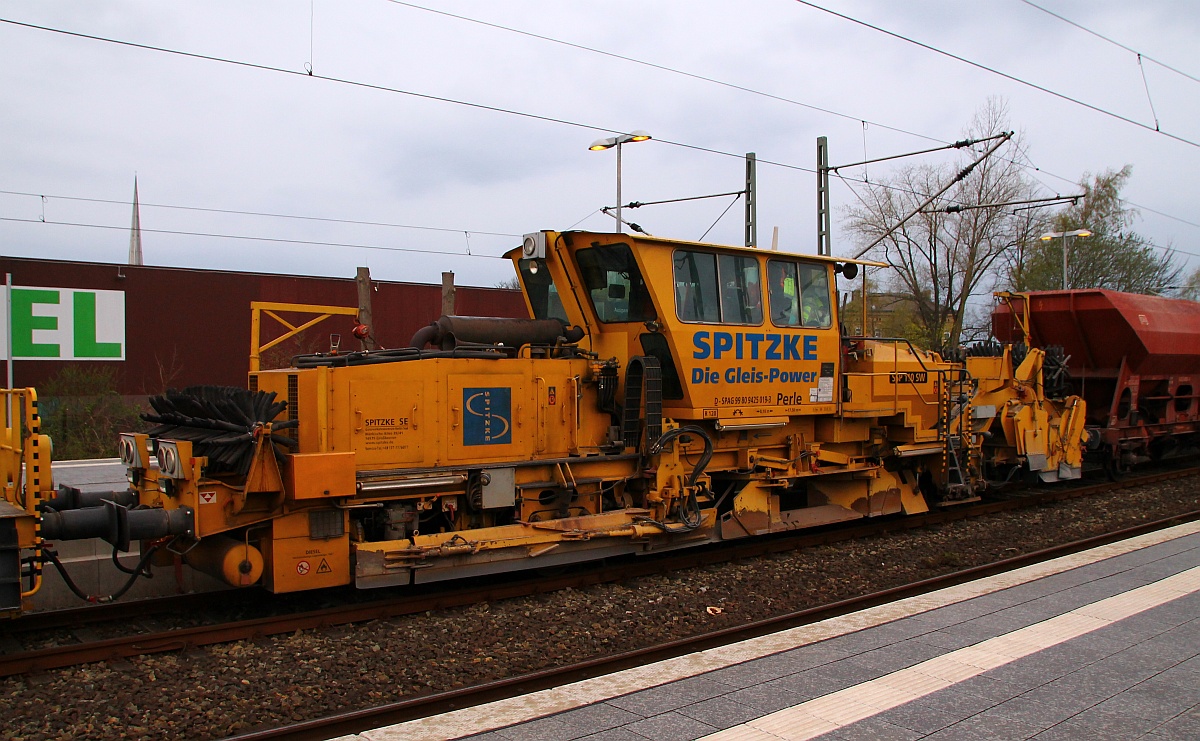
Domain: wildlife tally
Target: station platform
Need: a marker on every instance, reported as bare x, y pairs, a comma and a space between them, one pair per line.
1103, 644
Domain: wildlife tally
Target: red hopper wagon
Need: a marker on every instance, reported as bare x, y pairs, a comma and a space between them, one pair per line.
1134, 359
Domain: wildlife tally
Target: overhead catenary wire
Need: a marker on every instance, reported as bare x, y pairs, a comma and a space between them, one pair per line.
1114, 42
753, 91
468, 253
1146, 85
661, 67
1038, 203
282, 240
284, 70
634, 204
236, 212
743, 88
1161, 213
383, 88
1005, 75
43, 198
550, 119
400, 91
957, 208
312, 16
585, 218
956, 145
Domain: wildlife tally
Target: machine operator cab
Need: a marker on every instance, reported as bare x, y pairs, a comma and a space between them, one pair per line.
744, 337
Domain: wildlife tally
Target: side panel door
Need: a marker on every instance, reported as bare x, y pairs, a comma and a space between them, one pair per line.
386, 423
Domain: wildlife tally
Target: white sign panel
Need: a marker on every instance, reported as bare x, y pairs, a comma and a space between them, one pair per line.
63, 324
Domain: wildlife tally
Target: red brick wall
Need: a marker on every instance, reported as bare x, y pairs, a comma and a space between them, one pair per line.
186, 326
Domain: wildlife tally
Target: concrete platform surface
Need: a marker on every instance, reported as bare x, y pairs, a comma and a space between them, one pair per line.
1099, 645
101, 474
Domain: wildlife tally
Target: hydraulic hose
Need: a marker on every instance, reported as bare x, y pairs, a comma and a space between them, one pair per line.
688, 508
49, 554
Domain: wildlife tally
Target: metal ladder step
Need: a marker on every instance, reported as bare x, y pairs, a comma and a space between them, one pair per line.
642, 409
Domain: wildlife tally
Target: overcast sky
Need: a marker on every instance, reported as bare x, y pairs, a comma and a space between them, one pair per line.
79, 117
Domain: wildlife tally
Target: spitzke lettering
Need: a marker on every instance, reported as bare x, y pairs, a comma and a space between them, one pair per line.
753, 346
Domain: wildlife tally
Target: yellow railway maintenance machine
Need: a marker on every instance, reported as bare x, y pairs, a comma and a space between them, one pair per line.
665, 394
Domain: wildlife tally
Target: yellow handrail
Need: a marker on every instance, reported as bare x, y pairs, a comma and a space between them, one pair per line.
270, 308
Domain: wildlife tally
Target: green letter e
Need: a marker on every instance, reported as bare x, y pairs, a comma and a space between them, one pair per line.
24, 322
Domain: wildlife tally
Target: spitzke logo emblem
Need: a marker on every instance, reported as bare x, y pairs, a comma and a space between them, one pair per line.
487, 416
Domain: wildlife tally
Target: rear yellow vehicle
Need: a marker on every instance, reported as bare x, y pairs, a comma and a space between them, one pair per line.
664, 394
25, 466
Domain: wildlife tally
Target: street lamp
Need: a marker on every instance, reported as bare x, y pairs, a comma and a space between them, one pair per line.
1065, 236
616, 141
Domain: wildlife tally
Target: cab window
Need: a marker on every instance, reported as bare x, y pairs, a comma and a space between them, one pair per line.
539, 287
741, 296
799, 294
785, 309
717, 288
696, 298
814, 296
614, 284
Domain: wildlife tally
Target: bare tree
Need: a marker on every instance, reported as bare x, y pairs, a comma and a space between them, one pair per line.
944, 259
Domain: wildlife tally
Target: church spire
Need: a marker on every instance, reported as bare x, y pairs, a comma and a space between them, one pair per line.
135, 230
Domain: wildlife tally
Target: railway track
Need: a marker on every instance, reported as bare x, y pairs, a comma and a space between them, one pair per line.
178, 639
442, 702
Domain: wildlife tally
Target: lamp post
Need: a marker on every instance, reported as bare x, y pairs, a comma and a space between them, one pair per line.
1065, 236
616, 141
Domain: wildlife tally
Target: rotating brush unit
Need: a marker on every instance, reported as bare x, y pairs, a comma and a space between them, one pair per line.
222, 423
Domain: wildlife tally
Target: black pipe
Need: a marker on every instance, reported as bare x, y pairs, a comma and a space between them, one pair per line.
425, 335
485, 352
75, 524
69, 497
451, 331
149, 523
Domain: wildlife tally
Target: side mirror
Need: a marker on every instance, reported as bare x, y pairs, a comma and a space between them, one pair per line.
848, 270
